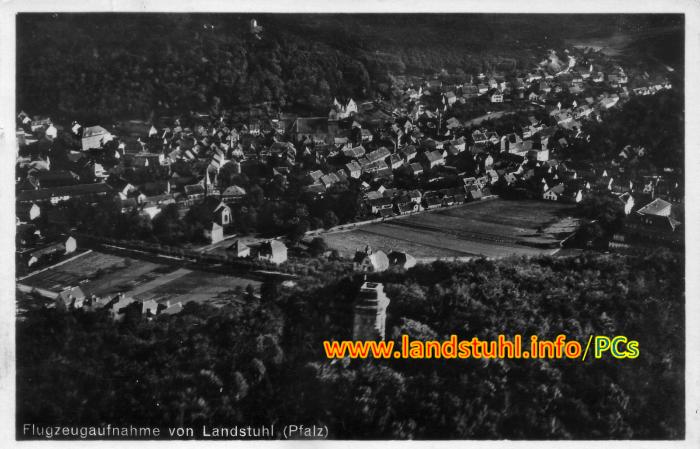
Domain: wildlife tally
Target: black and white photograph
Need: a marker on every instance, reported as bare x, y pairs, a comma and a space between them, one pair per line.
300, 224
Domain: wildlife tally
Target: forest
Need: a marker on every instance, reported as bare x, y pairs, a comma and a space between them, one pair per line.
261, 361
98, 68
654, 122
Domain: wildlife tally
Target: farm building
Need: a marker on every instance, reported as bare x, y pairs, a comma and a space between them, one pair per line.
370, 261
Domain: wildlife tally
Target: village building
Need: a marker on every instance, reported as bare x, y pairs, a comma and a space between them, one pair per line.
238, 249
89, 193
95, 137
401, 259
272, 251
433, 158
70, 298
370, 261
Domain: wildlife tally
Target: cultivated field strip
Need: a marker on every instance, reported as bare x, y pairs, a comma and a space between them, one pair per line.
492, 228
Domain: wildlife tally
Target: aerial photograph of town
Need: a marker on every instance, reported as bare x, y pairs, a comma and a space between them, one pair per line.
205, 203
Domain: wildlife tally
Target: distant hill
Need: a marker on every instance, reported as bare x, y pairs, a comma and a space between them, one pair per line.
108, 66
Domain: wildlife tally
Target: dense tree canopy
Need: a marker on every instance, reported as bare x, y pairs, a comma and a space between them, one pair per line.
101, 67
262, 362
654, 122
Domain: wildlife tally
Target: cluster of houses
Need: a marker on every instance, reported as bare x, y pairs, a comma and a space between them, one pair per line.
652, 223
34, 250
583, 71
117, 306
370, 261
150, 165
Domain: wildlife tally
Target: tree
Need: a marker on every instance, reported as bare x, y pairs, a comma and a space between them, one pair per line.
605, 208
298, 231
330, 219
317, 246
167, 225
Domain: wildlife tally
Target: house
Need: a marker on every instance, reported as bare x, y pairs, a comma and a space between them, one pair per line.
379, 204
370, 261
434, 158
496, 97
452, 123
628, 201
47, 251
479, 137
415, 196
214, 233
405, 205
521, 148
314, 176
649, 227
379, 154
409, 153
492, 175
273, 251
510, 177
474, 193
402, 259
450, 98
72, 297
354, 169
233, 194
395, 161
555, 193
117, 309
459, 144
448, 199
354, 152
217, 211
149, 308
432, 202
194, 191
172, 309
128, 204
310, 128
415, 169
56, 249
374, 194
95, 137
609, 102
27, 212
379, 168
510, 140
342, 176
284, 151
238, 249
86, 192
658, 207
329, 179
54, 178
386, 213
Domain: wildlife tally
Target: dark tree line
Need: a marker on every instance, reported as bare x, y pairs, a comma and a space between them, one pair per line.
261, 361
101, 67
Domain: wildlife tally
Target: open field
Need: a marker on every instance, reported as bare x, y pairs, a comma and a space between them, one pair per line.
103, 274
198, 286
492, 228
97, 273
